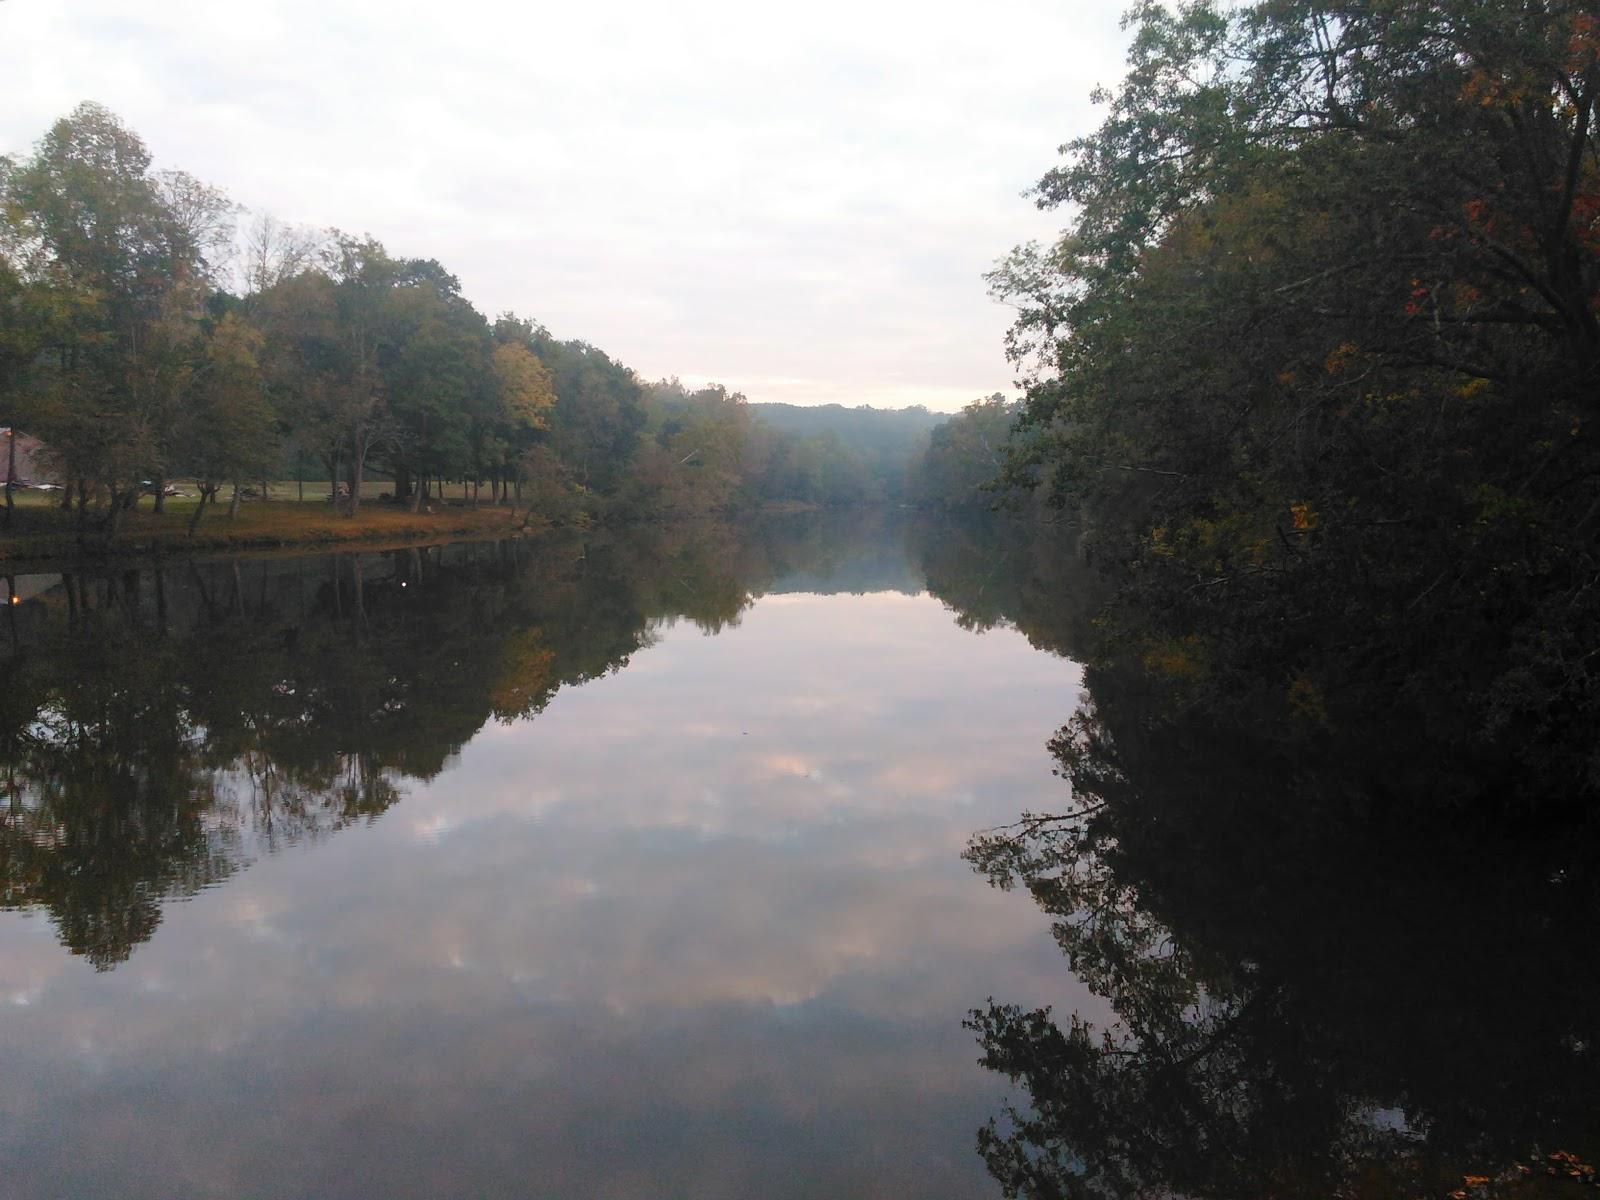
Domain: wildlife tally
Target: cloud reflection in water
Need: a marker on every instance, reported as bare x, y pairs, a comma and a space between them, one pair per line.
699, 928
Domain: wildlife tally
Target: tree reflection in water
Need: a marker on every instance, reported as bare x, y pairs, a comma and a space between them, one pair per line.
1328, 977
162, 726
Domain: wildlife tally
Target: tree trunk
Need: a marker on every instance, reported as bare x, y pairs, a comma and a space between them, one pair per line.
233, 504
416, 494
403, 487
11, 471
194, 521
358, 461
161, 492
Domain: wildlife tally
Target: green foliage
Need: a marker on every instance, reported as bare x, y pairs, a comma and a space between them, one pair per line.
358, 361
695, 456
228, 429
829, 454
965, 455
1316, 362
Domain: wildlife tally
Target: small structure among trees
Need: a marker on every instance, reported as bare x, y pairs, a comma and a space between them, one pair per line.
24, 459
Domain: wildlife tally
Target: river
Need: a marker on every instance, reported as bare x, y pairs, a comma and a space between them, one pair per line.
641, 863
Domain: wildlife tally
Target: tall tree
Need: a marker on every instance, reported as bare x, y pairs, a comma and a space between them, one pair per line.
364, 277
520, 400
301, 352
598, 414
196, 223
1318, 355
229, 428
434, 357
965, 454
275, 252
130, 247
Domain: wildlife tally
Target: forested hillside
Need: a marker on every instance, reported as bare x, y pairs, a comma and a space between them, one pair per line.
865, 453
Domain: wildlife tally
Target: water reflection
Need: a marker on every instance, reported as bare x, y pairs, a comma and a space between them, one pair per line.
162, 725
1318, 987
698, 926
633, 908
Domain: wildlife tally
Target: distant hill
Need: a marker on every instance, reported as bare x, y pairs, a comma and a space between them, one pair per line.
881, 444
861, 427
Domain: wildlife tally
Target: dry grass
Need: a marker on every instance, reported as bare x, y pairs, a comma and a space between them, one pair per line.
42, 530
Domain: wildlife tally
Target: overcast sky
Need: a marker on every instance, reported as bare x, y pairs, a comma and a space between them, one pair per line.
796, 201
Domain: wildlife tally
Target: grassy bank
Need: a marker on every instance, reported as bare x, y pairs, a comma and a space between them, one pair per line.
42, 530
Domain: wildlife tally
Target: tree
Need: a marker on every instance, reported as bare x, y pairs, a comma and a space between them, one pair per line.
552, 491
434, 358
128, 250
598, 413
300, 355
966, 454
196, 222
35, 314
276, 252
1316, 360
522, 397
229, 427
86, 201
694, 459
364, 277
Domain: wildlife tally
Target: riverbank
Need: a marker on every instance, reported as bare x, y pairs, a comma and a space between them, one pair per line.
42, 532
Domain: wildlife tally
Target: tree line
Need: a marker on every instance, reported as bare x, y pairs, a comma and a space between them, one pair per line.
144, 339
1316, 366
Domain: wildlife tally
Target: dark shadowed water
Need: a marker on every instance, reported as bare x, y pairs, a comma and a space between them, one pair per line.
631, 865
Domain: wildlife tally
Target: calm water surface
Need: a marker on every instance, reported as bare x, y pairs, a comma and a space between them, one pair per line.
612, 870
632, 866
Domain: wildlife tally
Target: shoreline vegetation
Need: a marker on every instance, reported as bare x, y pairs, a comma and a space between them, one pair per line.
1315, 366
43, 534
146, 340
